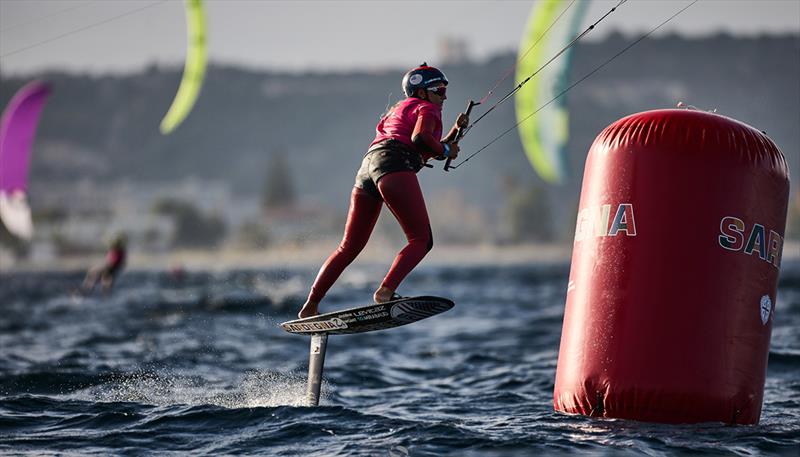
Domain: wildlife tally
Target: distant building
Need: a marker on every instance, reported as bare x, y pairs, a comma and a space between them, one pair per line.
453, 50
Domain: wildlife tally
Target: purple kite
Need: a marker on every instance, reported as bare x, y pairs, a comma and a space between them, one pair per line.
17, 130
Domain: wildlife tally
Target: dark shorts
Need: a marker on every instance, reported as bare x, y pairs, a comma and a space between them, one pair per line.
112, 269
387, 157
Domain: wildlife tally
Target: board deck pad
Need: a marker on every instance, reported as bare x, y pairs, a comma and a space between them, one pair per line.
377, 316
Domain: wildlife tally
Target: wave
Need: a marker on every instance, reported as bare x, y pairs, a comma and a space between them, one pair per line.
784, 360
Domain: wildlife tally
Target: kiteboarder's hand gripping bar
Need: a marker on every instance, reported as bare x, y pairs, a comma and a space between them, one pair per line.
460, 131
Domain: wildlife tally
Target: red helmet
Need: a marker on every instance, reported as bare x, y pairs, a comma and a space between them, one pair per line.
422, 77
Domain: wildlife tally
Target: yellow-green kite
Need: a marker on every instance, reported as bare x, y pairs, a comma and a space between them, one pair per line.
194, 69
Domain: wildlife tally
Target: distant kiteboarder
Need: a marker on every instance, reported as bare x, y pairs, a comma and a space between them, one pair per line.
107, 273
408, 136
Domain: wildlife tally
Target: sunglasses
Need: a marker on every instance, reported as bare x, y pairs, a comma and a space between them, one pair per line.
440, 91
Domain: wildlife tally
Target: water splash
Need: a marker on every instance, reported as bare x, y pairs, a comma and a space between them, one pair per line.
256, 389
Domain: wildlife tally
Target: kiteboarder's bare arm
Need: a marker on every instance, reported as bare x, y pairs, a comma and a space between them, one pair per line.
461, 122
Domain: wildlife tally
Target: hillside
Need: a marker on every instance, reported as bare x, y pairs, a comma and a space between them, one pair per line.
104, 128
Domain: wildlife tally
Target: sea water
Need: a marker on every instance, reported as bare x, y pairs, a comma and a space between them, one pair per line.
196, 365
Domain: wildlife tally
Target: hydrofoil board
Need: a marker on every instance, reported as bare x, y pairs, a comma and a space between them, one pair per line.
379, 316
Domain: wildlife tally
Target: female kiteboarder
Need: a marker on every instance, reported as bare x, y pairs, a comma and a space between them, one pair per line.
107, 272
408, 136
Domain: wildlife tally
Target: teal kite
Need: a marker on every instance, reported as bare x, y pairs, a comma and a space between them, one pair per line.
551, 26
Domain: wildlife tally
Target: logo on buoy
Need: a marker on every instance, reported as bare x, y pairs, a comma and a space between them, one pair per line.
766, 309
596, 221
732, 237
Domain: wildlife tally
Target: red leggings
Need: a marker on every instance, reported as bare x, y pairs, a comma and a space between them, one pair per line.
403, 197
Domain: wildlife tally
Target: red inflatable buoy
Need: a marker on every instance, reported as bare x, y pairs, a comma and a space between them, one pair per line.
674, 271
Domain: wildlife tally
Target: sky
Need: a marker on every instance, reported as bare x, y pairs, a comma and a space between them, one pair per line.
122, 36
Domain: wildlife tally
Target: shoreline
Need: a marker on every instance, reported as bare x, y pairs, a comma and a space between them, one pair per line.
312, 255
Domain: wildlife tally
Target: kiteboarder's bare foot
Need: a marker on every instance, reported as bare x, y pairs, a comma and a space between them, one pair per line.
309, 309
383, 294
